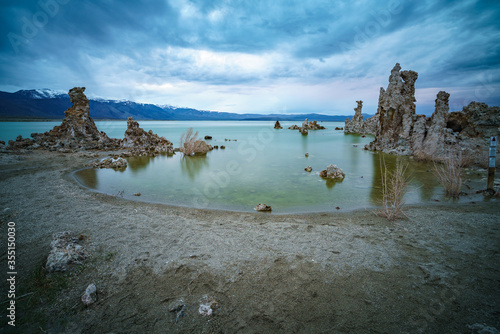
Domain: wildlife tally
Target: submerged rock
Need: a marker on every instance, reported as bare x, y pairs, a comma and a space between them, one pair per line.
90, 295
65, 249
262, 208
332, 172
142, 143
277, 125
208, 137
76, 132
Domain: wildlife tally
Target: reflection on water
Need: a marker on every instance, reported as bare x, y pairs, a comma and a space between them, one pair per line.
423, 183
136, 164
247, 173
304, 141
90, 177
192, 165
331, 183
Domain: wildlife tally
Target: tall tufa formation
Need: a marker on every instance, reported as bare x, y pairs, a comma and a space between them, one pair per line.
355, 125
76, 132
358, 126
396, 108
399, 130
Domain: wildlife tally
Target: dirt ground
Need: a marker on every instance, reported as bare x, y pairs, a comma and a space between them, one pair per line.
342, 272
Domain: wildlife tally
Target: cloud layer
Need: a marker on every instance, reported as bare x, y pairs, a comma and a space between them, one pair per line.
253, 56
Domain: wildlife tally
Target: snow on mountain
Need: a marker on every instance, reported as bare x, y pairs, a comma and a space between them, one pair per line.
43, 93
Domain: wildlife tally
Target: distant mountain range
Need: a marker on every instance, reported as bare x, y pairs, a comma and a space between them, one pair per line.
48, 104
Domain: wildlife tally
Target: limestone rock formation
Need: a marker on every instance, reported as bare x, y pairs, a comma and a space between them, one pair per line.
76, 132
263, 208
143, 143
312, 125
306, 126
332, 172
111, 162
202, 148
370, 125
401, 131
357, 125
65, 249
277, 125
396, 109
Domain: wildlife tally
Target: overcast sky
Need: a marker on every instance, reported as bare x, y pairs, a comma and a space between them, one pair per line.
253, 56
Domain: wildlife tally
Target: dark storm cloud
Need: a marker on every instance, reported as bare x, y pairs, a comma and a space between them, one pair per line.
156, 43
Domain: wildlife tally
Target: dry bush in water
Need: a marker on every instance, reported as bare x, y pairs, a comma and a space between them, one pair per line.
394, 187
189, 142
449, 173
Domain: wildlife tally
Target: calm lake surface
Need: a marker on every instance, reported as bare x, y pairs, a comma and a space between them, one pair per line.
263, 165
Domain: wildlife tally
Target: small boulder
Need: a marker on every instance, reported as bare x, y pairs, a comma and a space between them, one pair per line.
332, 172
208, 137
65, 249
90, 295
263, 208
308, 169
307, 154
223, 147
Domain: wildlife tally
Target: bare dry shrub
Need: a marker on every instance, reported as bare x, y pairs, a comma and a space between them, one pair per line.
394, 187
189, 142
449, 172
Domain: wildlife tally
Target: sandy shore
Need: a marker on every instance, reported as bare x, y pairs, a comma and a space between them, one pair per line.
436, 272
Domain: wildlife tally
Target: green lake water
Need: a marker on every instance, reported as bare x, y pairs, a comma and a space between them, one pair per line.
263, 165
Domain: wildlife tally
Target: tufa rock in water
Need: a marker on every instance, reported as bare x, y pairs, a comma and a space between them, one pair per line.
400, 131
306, 126
308, 169
263, 208
111, 162
332, 172
65, 249
396, 109
313, 125
199, 147
355, 125
76, 132
142, 143
90, 295
277, 125
208, 137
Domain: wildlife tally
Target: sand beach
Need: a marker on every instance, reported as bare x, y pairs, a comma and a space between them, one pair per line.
154, 265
